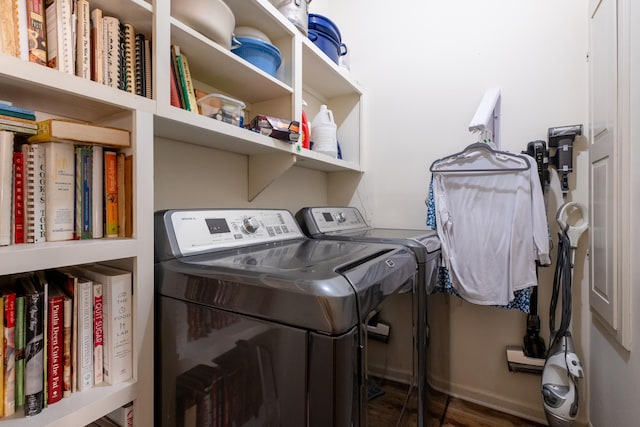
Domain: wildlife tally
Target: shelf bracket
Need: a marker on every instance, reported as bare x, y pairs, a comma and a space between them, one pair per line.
486, 120
266, 168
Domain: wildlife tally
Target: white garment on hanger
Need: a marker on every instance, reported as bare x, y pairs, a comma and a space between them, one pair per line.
493, 227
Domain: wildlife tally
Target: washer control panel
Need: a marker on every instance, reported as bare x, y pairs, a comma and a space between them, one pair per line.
329, 219
210, 229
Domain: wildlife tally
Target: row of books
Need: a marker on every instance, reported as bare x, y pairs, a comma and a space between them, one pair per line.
65, 330
70, 36
62, 190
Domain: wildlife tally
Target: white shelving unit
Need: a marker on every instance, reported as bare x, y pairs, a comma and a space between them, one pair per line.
306, 73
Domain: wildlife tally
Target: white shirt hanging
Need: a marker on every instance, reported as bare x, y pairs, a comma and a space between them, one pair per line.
492, 223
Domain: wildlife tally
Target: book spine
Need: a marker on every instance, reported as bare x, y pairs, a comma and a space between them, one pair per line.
182, 85
129, 52
18, 128
111, 51
128, 188
193, 103
34, 354
97, 188
67, 337
55, 349
122, 196
20, 343
85, 334
98, 341
117, 339
19, 199
87, 192
39, 205
83, 192
173, 82
9, 354
97, 39
139, 65
52, 24
60, 184
111, 193
36, 29
6, 159
83, 39
29, 193
147, 69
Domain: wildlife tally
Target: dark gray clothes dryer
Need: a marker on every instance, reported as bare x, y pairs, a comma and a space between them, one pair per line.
347, 224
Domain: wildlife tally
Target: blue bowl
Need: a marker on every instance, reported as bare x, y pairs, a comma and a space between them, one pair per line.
259, 53
328, 45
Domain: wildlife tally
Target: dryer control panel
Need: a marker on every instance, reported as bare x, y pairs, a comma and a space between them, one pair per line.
197, 231
331, 219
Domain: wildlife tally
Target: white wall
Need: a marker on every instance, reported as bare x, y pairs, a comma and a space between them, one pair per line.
425, 67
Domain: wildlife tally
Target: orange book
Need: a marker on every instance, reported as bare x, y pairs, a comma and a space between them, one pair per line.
110, 194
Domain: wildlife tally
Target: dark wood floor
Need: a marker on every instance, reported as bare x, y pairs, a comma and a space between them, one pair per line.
386, 411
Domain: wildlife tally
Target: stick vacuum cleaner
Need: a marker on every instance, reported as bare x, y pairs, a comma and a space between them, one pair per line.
562, 369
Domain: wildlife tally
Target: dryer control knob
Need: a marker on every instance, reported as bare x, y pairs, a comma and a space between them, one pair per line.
340, 217
250, 224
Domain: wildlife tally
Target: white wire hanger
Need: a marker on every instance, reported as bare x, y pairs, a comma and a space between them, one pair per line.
480, 157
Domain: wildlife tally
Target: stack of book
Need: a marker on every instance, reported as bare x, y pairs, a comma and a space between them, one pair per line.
16, 119
61, 331
70, 36
67, 181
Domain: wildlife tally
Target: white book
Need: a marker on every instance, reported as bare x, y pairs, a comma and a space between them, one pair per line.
123, 416
83, 39
97, 38
59, 191
6, 190
117, 324
111, 50
60, 39
97, 198
85, 333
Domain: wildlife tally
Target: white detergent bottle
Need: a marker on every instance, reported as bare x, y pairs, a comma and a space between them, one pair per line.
323, 133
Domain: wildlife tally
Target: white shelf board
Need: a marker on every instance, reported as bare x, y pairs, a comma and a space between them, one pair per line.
78, 409
40, 88
38, 256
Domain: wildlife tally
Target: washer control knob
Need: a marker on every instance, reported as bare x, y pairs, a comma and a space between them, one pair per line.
250, 224
340, 217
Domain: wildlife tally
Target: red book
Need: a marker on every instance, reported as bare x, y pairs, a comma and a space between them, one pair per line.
55, 350
174, 94
18, 197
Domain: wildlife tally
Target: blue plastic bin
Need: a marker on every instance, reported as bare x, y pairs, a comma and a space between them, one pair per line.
259, 53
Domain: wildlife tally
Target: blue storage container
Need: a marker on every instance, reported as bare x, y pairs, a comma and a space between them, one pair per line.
326, 35
259, 53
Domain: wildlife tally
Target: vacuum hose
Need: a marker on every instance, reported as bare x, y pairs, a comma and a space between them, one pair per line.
562, 367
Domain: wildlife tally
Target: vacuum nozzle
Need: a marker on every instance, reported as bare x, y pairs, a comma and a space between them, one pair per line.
561, 138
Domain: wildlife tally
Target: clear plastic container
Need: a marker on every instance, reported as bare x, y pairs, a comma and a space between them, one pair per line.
324, 133
223, 108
